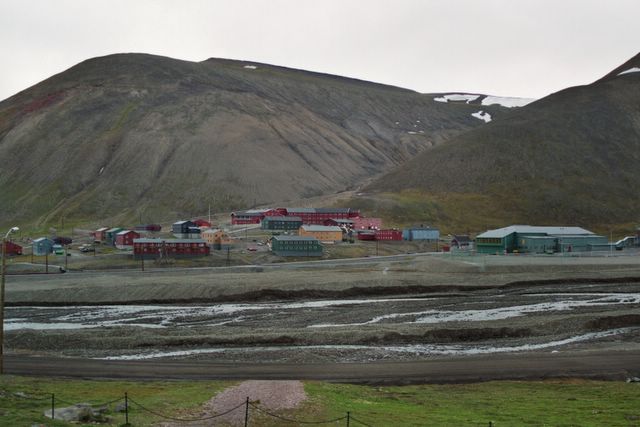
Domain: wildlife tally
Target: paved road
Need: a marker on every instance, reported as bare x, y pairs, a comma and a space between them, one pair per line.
614, 365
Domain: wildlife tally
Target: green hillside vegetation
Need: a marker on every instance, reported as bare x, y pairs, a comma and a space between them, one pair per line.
571, 158
126, 136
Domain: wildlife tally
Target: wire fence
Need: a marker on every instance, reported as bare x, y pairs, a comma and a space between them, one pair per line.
249, 408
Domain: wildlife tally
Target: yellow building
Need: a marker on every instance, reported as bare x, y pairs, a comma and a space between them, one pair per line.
324, 233
214, 236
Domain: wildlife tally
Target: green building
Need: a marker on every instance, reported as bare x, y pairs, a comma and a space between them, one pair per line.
296, 246
281, 223
536, 239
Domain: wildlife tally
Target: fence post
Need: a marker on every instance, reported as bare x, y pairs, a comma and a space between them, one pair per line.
246, 413
126, 408
53, 406
490, 423
348, 418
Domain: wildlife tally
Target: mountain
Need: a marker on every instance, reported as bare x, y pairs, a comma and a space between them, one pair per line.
136, 136
570, 158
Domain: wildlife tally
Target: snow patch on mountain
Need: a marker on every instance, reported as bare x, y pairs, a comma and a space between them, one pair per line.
630, 70
482, 116
457, 97
505, 101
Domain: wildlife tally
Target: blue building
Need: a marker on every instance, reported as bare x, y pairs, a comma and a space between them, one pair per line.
423, 233
42, 246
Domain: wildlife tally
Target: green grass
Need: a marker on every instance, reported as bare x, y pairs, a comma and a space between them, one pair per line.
510, 403
175, 398
548, 403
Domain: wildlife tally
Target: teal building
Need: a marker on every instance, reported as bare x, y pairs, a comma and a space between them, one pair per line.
296, 246
537, 239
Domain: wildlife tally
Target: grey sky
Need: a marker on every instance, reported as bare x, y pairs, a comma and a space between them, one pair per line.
526, 48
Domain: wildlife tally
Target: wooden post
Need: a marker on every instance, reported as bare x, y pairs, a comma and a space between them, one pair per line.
246, 413
126, 408
348, 418
53, 406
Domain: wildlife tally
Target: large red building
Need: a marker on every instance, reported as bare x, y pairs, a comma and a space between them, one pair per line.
309, 216
169, 248
253, 216
318, 216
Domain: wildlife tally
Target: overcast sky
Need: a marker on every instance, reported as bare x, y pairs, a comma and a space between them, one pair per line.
526, 48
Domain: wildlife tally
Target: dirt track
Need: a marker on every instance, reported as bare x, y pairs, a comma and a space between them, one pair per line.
616, 365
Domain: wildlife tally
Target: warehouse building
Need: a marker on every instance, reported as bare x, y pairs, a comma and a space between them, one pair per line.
302, 246
421, 232
324, 233
537, 239
281, 223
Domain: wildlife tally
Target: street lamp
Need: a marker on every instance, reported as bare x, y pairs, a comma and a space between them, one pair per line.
2, 272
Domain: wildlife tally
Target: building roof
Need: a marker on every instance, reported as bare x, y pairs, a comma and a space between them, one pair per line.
146, 240
295, 238
283, 218
310, 227
123, 232
42, 239
114, 230
333, 210
102, 229
302, 210
462, 238
183, 222
534, 229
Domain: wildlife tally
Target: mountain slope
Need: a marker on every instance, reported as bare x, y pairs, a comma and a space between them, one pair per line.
141, 136
569, 158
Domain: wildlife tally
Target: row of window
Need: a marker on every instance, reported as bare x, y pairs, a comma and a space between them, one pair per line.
490, 240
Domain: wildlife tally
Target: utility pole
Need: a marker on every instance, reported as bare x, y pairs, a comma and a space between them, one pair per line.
228, 256
66, 258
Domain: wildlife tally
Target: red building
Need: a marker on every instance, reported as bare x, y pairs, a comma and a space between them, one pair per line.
202, 223
99, 235
252, 216
388, 235
12, 249
366, 235
124, 239
367, 223
169, 248
318, 216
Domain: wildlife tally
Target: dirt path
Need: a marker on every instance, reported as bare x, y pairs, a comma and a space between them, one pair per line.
271, 396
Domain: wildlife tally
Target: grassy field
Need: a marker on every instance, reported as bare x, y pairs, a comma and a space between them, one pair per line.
546, 403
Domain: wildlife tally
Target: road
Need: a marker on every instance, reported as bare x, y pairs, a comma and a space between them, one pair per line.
612, 365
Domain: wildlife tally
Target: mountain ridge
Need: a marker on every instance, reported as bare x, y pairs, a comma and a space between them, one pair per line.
140, 136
